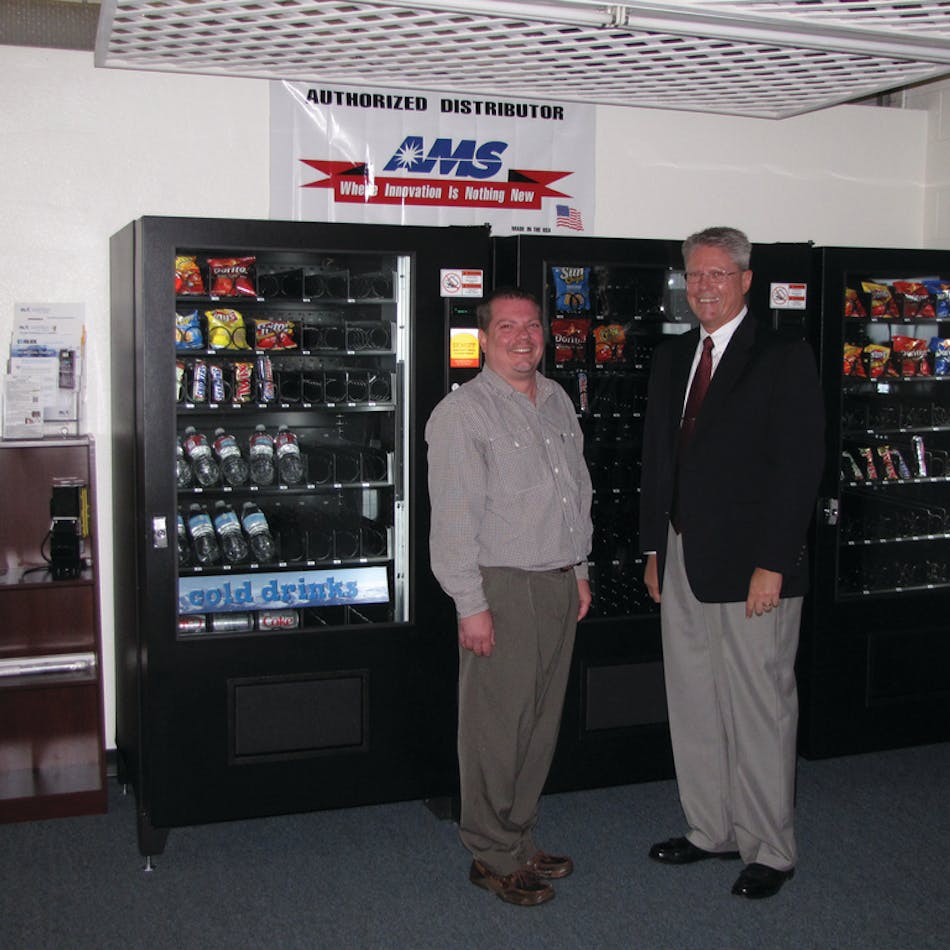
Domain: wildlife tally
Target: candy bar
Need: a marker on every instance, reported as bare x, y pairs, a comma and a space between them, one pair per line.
869, 466
199, 381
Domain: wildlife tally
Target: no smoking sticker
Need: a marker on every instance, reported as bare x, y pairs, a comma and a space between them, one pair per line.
788, 296
461, 283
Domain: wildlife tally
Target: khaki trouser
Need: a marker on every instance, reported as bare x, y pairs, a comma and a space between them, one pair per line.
510, 711
733, 705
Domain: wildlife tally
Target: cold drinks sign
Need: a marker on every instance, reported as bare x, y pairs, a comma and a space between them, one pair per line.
226, 593
432, 159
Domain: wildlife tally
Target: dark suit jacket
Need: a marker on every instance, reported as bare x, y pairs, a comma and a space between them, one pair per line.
748, 484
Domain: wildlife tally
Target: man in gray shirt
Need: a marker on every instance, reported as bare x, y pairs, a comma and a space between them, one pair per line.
511, 531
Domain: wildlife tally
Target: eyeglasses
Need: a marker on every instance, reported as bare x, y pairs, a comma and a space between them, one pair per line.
713, 276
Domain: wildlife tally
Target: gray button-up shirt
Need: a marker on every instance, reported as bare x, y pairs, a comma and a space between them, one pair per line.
508, 484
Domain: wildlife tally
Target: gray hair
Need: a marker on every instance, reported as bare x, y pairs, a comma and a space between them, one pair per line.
731, 240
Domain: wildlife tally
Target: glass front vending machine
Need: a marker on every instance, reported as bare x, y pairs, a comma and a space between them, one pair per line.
607, 304
874, 663
281, 641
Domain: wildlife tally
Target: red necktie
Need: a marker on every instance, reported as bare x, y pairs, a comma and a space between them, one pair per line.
697, 393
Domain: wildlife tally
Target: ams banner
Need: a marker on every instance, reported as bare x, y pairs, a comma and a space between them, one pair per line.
390, 158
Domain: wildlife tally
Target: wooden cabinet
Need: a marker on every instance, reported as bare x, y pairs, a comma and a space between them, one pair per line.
51, 719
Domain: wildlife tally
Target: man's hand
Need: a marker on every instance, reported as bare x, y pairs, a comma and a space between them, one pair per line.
477, 633
651, 578
765, 590
585, 597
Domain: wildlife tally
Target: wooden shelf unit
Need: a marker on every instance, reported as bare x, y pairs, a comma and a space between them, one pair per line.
52, 749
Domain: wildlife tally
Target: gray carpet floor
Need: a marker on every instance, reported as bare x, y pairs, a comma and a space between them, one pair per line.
873, 833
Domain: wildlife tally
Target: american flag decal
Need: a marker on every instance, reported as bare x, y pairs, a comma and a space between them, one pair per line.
569, 218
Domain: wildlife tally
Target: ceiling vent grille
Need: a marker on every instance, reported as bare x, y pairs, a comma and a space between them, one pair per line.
752, 58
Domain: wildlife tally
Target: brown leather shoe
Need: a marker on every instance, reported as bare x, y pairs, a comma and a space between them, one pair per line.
522, 887
551, 866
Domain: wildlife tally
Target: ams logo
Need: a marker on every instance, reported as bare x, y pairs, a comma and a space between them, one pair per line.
465, 160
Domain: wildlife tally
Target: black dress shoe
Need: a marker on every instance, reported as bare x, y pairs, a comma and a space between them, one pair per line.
683, 851
759, 880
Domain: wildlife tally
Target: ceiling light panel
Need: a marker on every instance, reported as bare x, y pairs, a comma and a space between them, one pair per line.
765, 59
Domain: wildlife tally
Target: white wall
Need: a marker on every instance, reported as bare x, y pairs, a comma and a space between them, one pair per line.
935, 98
851, 175
83, 151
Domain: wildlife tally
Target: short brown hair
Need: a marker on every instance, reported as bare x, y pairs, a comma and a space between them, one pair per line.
484, 310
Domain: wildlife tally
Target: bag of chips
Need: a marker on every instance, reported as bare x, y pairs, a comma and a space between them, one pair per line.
232, 276
882, 300
910, 356
188, 278
609, 342
852, 304
914, 300
940, 291
572, 289
941, 355
875, 358
226, 330
852, 360
188, 335
274, 335
570, 339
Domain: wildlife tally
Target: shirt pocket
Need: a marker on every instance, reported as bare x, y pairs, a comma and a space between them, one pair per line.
573, 458
518, 462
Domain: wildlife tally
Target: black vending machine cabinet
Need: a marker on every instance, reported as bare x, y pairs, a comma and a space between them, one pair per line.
874, 663
282, 645
607, 303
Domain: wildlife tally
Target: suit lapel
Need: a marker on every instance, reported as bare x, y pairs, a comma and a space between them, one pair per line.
729, 370
684, 351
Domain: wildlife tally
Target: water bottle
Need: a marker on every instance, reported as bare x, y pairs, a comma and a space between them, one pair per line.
258, 532
229, 532
201, 530
261, 457
183, 473
184, 548
233, 466
202, 461
289, 461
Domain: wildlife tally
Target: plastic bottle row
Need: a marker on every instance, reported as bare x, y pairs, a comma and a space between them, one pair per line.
226, 538
222, 535
207, 463
202, 463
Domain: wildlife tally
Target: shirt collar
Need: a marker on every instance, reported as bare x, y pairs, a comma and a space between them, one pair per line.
723, 335
506, 389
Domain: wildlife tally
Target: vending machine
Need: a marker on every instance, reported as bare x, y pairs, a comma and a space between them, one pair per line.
874, 662
607, 304
282, 645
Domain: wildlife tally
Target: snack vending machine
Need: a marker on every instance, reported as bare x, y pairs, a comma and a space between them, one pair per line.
280, 636
607, 304
874, 663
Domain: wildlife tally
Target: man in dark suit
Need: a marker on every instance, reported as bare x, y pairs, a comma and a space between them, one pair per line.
731, 467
